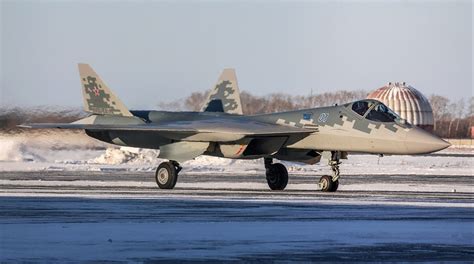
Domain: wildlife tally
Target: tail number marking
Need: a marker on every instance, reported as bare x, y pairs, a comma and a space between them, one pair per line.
323, 117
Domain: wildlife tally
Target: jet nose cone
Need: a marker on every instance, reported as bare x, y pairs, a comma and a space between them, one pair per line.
419, 141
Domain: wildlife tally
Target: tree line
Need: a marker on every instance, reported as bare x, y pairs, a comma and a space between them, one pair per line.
453, 119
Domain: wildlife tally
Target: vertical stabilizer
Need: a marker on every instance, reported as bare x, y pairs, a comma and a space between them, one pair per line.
98, 98
225, 96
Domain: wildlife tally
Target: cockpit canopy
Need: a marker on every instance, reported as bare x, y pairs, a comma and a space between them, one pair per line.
375, 111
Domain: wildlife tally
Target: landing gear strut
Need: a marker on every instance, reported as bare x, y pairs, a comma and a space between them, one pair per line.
331, 183
167, 174
277, 175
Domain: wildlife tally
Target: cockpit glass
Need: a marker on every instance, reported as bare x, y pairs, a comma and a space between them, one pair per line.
376, 111
382, 113
360, 107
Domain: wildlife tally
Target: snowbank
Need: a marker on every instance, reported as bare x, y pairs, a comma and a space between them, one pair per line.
114, 156
12, 150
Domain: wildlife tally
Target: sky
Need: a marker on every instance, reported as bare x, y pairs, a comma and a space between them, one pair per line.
158, 51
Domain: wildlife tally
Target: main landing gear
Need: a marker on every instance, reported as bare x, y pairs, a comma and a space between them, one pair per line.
331, 183
167, 174
277, 175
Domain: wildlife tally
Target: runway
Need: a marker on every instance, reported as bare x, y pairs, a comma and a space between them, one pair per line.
118, 216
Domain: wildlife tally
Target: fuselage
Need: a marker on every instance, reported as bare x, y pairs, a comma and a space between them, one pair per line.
341, 128
348, 128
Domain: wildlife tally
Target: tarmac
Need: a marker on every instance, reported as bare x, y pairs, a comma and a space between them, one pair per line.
121, 216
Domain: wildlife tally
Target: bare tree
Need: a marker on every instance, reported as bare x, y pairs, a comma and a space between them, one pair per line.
439, 104
470, 110
176, 105
195, 101
459, 114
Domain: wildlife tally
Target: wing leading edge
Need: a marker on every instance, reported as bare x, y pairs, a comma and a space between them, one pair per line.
216, 130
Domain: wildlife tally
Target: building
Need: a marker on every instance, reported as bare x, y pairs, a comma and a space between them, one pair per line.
406, 101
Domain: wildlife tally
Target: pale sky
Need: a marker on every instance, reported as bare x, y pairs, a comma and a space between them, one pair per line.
158, 51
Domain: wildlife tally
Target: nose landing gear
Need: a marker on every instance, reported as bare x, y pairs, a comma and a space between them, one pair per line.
331, 183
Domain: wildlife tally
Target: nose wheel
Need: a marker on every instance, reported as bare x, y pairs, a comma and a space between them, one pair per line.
329, 183
166, 174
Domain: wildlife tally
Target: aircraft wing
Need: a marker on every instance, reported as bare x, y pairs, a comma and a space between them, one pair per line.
216, 130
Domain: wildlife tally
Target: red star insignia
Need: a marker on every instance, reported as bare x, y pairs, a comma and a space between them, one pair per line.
96, 91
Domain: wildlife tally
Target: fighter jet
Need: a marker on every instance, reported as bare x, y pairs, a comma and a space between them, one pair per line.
221, 130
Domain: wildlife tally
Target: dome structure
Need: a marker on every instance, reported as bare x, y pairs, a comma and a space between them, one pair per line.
407, 102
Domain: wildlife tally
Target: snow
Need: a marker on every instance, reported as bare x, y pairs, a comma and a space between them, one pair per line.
228, 185
67, 198
77, 152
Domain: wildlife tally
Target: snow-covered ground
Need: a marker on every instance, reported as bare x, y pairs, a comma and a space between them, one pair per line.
65, 197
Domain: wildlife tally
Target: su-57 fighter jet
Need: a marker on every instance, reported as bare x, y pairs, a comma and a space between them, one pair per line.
221, 130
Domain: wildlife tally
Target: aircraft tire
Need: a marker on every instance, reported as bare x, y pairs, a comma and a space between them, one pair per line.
327, 185
335, 185
277, 176
166, 175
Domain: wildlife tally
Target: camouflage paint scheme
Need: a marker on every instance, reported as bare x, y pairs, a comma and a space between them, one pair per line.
97, 97
221, 129
226, 93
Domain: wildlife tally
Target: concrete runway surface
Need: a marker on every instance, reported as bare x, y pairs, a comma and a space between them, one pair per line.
116, 216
